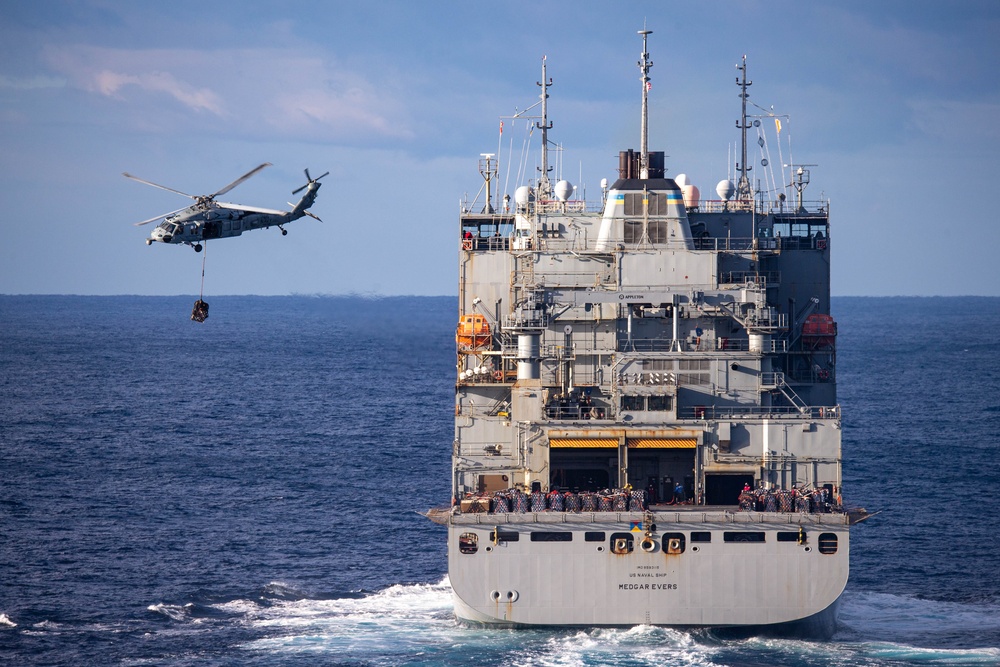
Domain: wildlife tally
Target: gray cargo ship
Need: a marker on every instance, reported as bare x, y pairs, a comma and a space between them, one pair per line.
646, 420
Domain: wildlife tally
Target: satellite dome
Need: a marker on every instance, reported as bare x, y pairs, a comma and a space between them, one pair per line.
681, 180
691, 195
563, 190
604, 184
523, 195
726, 189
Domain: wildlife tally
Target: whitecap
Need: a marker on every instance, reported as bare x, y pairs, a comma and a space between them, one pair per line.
172, 611
6, 622
417, 621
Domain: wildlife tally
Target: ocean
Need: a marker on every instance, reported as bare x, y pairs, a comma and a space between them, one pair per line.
246, 491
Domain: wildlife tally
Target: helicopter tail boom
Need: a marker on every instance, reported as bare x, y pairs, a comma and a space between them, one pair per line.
309, 198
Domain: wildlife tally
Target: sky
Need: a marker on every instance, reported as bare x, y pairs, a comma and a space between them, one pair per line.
890, 101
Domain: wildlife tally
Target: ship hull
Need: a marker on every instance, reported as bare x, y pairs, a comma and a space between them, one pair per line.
764, 585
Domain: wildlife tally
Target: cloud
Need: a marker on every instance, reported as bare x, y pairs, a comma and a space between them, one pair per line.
109, 83
281, 91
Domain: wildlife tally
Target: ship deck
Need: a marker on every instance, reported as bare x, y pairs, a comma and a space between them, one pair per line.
663, 514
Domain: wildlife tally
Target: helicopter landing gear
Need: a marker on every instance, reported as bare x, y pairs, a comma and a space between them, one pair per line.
149, 241
197, 247
284, 232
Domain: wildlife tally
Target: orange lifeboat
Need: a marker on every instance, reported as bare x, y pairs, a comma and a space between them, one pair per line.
819, 330
473, 332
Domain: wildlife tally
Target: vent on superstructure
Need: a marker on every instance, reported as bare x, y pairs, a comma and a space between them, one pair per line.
657, 203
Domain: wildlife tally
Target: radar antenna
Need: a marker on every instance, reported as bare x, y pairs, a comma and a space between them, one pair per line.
544, 188
644, 66
801, 176
488, 168
743, 190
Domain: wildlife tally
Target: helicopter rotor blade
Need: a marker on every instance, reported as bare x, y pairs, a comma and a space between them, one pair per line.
154, 219
239, 180
309, 213
157, 185
248, 209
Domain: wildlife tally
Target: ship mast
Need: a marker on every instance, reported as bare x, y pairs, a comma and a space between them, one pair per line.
644, 66
743, 190
544, 187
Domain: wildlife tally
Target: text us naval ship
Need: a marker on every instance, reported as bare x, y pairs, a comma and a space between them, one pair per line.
646, 420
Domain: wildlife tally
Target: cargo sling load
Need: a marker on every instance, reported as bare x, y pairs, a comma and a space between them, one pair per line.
646, 422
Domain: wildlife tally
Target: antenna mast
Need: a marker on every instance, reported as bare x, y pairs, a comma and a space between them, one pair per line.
644, 66
543, 181
743, 190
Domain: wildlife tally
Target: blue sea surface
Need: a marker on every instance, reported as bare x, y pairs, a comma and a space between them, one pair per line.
246, 491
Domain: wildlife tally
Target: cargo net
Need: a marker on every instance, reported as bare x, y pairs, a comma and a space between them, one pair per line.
517, 501
816, 501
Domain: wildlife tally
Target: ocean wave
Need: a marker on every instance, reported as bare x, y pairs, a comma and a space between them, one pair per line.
6, 622
415, 624
888, 617
174, 612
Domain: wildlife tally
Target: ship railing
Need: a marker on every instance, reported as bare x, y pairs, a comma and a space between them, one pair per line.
567, 279
562, 240
772, 346
474, 410
721, 344
723, 244
814, 376
569, 206
726, 412
755, 506
515, 323
556, 412
762, 206
652, 344
486, 243
750, 279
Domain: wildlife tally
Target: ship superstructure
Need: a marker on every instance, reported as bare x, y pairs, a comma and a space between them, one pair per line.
646, 421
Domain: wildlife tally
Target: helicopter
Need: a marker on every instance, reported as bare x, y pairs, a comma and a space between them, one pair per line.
209, 219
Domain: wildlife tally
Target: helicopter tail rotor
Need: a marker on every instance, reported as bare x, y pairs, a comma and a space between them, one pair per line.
310, 180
